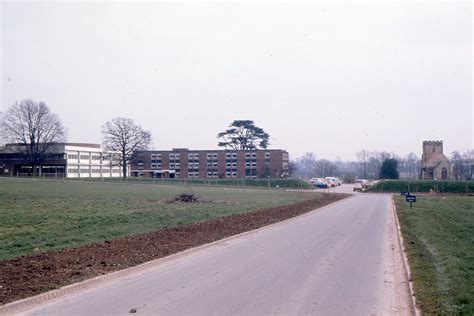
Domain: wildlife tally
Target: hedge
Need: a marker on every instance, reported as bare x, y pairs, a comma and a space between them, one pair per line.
423, 186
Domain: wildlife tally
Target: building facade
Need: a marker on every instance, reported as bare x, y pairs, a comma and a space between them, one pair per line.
434, 164
210, 164
69, 160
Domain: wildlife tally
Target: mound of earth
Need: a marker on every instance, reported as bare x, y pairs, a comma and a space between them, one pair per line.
29, 275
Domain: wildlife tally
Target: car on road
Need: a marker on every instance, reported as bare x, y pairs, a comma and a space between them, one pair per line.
358, 187
364, 183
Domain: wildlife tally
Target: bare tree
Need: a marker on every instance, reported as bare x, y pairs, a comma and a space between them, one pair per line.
308, 164
363, 158
121, 135
413, 165
463, 164
459, 167
33, 128
325, 168
469, 158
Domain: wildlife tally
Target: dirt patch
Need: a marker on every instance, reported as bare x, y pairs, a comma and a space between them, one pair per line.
29, 275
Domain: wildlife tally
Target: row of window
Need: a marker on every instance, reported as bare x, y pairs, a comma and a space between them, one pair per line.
87, 157
210, 156
214, 165
104, 170
195, 166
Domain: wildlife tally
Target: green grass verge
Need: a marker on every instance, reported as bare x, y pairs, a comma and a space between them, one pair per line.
423, 186
38, 215
439, 239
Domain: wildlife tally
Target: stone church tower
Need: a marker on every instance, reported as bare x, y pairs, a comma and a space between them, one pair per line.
434, 164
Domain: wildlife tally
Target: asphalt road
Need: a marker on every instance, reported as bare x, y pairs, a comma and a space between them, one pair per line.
343, 259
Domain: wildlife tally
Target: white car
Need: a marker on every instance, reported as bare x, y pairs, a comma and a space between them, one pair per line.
358, 187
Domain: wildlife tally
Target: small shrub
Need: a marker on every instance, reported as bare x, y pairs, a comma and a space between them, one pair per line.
186, 197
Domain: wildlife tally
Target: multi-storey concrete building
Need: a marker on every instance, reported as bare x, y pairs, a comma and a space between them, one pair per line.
210, 164
71, 160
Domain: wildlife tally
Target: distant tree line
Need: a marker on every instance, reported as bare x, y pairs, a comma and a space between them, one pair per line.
376, 165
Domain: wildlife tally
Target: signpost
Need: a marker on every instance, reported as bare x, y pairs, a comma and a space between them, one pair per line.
411, 199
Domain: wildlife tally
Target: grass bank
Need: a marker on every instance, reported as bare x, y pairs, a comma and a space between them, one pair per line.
439, 239
460, 187
38, 216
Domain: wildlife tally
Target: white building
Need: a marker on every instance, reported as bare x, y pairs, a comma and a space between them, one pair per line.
69, 160
90, 161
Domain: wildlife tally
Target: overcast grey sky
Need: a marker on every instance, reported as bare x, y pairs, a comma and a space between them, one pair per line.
327, 78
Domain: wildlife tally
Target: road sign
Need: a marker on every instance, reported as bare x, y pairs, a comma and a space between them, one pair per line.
411, 199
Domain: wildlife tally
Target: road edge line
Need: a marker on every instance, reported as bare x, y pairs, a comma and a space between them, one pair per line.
26, 304
406, 264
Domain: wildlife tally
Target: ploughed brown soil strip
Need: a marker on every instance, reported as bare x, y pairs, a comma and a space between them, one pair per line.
29, 275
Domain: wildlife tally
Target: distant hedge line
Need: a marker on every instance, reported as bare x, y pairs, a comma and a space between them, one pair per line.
262, 183
423, 186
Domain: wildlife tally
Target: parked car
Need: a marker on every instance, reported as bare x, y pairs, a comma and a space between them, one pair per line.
331, 183
334, 179
320, 183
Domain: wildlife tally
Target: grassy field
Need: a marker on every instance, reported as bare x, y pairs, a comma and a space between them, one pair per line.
40, 215
423, 186
439, 237
240, 183
257, 183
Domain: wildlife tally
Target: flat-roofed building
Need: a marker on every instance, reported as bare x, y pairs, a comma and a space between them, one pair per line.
70, 160
210, 164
